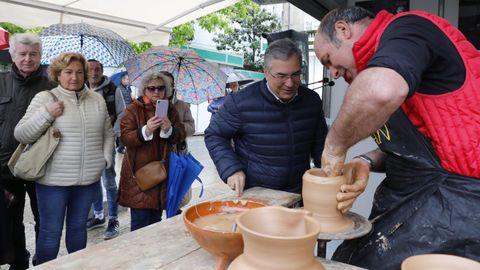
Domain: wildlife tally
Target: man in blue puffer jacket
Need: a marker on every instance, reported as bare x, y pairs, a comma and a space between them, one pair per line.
277, 127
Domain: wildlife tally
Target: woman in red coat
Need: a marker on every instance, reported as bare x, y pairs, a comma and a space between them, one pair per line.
147, 138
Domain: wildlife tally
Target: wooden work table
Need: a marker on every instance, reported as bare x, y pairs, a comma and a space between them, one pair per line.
166, 245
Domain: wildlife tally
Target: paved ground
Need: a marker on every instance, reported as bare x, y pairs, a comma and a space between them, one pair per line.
212, 186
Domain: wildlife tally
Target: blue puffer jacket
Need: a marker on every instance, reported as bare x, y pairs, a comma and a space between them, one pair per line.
273, 142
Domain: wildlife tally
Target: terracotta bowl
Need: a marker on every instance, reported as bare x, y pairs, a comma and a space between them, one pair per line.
439, 262
277, 238
225, 246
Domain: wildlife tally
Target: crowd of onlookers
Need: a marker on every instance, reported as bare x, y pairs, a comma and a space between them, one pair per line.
93, 115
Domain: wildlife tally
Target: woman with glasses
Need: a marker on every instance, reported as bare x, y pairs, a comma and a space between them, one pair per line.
148, 138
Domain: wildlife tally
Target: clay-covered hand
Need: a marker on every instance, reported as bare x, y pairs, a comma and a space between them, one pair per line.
236, 182
55, 109
152, 124
356, 171
332, 163
165, 124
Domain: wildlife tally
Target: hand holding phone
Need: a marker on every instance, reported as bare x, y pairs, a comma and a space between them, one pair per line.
161, 109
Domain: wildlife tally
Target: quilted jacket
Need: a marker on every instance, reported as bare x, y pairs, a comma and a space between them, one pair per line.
274, 142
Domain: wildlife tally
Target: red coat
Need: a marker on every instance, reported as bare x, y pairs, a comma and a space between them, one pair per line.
140, 152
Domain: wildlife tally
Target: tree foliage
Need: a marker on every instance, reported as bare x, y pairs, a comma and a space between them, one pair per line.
140, 47
238, 28
13, 29
248, 29
181, 35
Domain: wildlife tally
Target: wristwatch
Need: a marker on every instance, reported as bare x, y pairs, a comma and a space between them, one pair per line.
366, 158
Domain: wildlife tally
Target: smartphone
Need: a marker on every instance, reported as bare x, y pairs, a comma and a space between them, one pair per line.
162, 109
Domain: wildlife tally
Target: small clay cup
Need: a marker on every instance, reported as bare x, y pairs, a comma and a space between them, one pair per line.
439, 262
225, 246
319, 194
277, 238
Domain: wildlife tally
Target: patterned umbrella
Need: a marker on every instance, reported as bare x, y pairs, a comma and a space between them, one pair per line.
196, 80
93, 42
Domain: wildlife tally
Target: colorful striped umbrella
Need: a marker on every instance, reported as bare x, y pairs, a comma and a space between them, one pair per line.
196, 80
93, 42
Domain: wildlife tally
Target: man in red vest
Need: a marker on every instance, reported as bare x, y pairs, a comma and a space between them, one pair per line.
415, 88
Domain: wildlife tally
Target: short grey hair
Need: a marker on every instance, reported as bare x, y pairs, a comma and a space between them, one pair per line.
348, 14
28, 39
157, 76
281, 49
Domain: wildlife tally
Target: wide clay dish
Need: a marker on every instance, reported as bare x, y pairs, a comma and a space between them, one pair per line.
225, 246
439, 262
319, 195
277, 238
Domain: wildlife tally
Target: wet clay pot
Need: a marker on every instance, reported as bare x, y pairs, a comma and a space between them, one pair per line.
277, 238
319, 194
439, 262
224, 245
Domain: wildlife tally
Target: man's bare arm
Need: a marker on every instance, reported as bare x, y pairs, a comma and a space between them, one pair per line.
370, 100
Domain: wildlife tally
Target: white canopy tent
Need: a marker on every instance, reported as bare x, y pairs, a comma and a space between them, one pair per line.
139, 20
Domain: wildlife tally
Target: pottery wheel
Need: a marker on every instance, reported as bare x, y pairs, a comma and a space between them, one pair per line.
361, 226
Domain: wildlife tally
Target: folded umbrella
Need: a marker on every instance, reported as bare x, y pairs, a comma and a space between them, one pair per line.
183, 170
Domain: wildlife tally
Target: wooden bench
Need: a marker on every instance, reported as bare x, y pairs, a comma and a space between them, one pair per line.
166, 244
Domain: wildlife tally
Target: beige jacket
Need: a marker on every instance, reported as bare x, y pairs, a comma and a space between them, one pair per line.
185, 116
86, 144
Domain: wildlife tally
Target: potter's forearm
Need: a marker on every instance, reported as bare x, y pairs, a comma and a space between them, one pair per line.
370, 100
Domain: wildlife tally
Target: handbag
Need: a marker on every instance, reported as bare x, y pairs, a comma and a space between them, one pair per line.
29, 160
151, 174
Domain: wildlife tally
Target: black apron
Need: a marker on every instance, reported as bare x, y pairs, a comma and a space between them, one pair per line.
418, 208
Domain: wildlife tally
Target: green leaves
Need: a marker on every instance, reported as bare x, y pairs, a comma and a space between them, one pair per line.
181, 35
140, 47
13, 29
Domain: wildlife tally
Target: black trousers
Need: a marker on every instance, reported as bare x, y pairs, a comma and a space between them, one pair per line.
15, 211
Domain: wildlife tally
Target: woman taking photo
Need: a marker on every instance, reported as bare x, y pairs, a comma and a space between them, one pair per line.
66, 191
147, 138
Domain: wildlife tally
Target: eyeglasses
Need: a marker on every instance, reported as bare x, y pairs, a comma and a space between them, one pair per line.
159, 88
284, 77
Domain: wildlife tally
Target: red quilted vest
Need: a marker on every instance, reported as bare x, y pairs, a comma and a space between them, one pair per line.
451, 121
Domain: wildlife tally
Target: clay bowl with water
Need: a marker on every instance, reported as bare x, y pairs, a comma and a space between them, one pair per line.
439, 262
212, 225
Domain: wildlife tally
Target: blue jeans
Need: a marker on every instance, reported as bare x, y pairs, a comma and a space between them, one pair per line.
54, 203
140, 218
108, 181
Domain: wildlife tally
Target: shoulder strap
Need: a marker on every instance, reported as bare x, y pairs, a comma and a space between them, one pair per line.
53, 95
